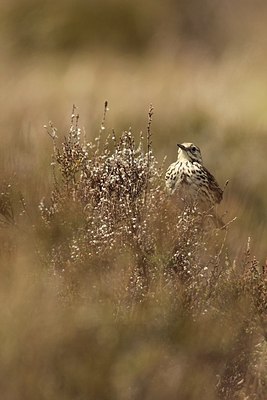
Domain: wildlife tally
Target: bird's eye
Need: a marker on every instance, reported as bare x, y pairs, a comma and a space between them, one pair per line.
194, 149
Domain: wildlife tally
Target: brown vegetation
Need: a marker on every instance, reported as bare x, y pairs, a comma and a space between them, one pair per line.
116, 291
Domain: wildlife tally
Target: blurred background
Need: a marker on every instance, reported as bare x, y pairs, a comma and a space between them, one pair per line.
202, 64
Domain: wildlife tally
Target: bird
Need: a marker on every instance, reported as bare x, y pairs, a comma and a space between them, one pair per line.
188, 177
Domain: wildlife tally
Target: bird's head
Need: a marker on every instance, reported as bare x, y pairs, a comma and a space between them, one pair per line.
189, 152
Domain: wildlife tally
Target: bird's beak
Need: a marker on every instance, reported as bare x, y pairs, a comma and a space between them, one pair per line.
181, 146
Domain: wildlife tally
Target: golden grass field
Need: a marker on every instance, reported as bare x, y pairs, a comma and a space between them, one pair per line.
108, 291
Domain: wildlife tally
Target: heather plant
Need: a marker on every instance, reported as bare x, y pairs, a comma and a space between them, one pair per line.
111, 187
136, 287
110, 198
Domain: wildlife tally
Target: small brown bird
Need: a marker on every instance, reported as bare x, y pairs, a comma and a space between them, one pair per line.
188, 177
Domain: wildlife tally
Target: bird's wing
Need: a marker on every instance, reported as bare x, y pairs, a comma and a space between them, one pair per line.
214, 186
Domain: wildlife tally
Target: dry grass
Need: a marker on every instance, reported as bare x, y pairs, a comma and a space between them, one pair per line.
114, 290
